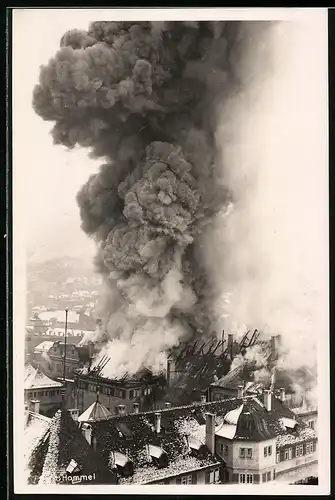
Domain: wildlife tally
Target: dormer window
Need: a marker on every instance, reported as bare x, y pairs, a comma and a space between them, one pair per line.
198, 449
72, 467
158, 456
122, 463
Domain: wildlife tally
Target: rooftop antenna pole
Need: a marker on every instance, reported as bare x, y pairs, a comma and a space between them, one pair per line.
65, 333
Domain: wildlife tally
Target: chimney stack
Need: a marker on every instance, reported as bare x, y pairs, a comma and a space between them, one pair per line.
267, 400
136, 407
157, 422
74, 414
210, 432
282, 395
35, 405
203, 398
169, 370
230, 345
122, 409
240, 391
168, 405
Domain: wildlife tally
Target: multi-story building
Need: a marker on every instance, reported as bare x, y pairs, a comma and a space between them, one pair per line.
115, 392
41, 393
50, 357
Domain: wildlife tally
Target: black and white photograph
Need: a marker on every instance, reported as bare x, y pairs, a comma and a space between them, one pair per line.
170, 251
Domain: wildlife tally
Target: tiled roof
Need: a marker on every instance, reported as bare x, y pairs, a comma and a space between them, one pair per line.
44, 346
36, 427
62, 443
254, 423
35, 379
95, 412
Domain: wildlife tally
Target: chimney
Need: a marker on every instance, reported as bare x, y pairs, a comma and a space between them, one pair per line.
74, 414
168, 405
157, 422
282, 395
35, 405
210, 432
169, 370
121, 409
275, 342
240, 391
136, 408
267, 400
230, 345
203, 398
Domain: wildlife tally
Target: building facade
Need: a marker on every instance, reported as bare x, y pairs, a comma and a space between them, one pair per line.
41, 393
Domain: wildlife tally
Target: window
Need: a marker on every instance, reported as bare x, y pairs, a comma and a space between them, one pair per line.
224, 449
307, 449
299, 451
246, 478
186, 479
311, 424
312, 447
264, 477
266, 451
290, 453
278, 457
268, 476
249, 452
286, 455
242, 452
131, 394
217, 475
270, 451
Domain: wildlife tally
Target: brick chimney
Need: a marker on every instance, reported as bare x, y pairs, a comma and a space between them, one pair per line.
203, 398
121, 410
230, 345
168, 405
210, 432
169, 371
267, 400
240, 391
282, 395
35, 405
157, 422
136, 408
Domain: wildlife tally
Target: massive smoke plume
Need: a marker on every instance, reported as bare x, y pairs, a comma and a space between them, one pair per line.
144, 97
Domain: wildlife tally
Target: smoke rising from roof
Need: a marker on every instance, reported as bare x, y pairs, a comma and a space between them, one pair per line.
164, 105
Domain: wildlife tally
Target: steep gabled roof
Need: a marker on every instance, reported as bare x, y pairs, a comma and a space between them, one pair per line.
95, 412
63, 443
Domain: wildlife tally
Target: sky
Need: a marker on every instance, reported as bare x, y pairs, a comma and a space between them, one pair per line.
48, 177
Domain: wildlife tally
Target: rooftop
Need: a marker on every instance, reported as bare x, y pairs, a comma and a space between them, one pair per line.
35, 379
181, 427
61, 446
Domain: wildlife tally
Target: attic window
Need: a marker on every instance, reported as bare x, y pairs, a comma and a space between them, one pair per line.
123, 464
124, 430
158, 455
72, 467
289, 423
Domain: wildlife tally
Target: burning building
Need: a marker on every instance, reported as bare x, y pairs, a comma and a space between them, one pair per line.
141, 390
144, 96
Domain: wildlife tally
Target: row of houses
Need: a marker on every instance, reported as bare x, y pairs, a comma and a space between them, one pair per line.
245, 440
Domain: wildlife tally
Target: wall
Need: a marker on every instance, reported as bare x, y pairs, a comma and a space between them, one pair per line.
217, 393
198, 477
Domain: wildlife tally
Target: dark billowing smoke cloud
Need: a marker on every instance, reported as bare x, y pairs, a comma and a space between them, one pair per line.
143, 96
